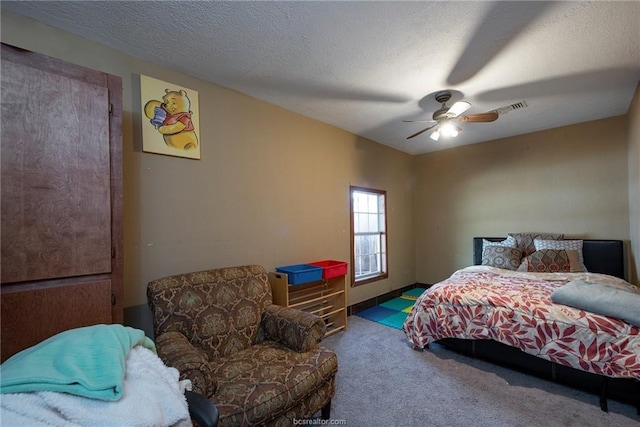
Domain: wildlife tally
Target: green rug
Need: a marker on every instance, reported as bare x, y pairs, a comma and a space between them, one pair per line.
394, 312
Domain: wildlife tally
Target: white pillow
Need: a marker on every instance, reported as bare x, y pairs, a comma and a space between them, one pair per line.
509, 242
575, 245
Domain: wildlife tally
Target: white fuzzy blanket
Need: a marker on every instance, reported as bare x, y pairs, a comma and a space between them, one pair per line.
153, 396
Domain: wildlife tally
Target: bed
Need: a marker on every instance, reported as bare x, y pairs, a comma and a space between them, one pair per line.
508, 316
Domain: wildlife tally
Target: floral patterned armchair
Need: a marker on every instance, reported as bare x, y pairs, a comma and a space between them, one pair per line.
259, 363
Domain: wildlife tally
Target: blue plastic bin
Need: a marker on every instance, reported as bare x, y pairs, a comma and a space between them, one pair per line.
301, 273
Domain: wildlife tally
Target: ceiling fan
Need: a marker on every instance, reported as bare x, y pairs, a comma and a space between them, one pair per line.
444, 119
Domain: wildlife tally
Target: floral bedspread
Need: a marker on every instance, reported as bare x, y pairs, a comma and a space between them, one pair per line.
515, 308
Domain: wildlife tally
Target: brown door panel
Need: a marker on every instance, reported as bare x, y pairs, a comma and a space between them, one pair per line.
31, 314
56, 211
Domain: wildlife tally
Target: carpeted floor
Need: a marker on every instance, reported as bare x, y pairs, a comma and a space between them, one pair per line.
393, 312
382, 381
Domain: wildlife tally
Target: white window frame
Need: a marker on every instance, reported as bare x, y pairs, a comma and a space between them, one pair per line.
368, 210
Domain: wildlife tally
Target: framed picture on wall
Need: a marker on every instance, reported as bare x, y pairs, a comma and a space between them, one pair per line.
170, 119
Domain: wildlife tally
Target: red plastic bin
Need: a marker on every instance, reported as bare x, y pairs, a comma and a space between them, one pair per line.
331, 268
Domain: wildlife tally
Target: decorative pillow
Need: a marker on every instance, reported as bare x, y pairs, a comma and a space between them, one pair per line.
524, 241
575, 245
550, 261
501, 257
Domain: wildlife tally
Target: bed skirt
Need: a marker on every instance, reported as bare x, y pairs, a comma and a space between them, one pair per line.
621, 389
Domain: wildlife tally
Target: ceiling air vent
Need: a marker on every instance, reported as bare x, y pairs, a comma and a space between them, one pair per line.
514, 106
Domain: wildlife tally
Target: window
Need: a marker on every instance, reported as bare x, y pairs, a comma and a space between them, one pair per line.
368, 235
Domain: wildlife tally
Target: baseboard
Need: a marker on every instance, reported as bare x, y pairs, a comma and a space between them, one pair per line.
361, 306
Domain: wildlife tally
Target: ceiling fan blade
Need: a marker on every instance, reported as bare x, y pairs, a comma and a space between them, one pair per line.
458, 108
419, 121
479, 118
422, 131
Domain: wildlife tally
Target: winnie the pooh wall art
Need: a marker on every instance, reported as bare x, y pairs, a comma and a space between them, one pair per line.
170, 116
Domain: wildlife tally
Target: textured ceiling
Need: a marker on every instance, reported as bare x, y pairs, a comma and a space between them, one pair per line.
366, 66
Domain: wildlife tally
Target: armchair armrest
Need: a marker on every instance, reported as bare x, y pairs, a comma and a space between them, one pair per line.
296, 329
175, 350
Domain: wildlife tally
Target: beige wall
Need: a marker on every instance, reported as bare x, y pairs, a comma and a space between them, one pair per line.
272, 187
634, 185
571, 180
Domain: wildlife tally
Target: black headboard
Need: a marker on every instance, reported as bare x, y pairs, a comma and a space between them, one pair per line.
600, 256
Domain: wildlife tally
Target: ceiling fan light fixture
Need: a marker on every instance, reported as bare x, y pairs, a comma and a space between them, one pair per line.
449, 129
458, 108
435, 135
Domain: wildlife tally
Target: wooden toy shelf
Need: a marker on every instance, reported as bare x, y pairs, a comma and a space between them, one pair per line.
325, 298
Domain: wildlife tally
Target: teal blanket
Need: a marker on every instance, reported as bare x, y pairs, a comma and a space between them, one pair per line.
87, 362
600, 299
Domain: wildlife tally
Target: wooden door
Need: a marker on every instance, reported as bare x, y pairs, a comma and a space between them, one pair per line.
61, 198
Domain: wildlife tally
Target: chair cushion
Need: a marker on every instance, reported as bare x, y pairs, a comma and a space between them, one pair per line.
266, 380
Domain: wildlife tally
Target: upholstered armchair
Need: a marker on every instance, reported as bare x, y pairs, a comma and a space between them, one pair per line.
259, 363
